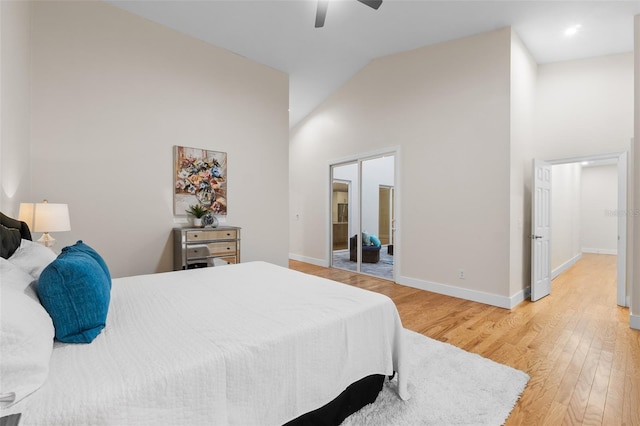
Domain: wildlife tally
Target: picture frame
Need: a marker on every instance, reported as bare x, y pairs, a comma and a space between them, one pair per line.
200, 177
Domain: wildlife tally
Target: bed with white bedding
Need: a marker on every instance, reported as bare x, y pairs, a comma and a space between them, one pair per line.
245, 344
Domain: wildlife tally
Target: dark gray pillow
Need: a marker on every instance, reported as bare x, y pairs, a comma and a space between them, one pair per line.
25, 233
9, 241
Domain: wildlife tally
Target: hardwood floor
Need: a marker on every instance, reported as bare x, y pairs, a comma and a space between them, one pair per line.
576, 344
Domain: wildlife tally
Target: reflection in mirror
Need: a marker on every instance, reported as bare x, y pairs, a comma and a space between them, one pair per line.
365, 247
340, 214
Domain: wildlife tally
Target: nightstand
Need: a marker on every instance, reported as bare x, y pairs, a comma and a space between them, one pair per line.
204, 247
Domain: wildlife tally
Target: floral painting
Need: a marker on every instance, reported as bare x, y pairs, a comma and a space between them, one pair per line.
200, 177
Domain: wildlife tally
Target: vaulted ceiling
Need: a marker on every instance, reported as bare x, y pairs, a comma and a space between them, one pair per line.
281, 33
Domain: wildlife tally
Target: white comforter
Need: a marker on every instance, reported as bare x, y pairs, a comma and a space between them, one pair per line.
245, 344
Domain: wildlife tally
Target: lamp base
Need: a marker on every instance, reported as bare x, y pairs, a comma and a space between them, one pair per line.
47, 240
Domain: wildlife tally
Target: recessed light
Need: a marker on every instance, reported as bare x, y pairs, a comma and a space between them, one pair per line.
572, 30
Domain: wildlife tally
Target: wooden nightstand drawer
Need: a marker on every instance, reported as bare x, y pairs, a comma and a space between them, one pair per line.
222, 248
213, 234
198, 251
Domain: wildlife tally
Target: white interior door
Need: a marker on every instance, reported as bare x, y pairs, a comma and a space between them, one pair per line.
541, 231
621, 293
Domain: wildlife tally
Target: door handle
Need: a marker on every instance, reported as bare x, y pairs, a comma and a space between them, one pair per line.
535, 237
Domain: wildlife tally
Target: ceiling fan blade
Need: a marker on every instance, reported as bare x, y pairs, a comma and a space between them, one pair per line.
321, 13
375, 4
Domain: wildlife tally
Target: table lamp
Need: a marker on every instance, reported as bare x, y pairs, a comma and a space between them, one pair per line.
45, 217
25, 214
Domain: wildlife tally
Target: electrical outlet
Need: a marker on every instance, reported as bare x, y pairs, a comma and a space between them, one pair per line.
461, 274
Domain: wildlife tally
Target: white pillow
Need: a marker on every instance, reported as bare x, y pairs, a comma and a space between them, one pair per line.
26, 343
32, 257
15, 277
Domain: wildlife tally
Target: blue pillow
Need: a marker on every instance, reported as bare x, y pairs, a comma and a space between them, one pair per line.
80, 246
375, 240
76, 292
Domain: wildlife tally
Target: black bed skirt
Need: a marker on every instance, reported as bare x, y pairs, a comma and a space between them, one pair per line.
354, 397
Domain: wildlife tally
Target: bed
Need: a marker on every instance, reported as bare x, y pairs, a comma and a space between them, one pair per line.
252, 343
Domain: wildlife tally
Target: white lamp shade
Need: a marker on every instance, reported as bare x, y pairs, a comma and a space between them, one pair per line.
49, 217
25, 213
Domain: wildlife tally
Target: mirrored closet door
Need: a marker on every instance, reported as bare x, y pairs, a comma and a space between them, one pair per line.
362, 216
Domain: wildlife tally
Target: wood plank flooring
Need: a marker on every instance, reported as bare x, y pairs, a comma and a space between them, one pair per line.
576, 344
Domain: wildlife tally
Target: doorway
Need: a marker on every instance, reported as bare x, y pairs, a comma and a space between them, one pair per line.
363, 215
605, 225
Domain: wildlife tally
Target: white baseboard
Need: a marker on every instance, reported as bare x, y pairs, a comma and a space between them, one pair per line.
464, 293
634, 322
447, 290
311, 260
600, 251
566, 265
519, 297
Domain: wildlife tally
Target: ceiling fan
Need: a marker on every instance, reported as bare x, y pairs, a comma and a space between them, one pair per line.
323, 4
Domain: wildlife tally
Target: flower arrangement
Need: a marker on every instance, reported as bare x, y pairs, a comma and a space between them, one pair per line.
197, 175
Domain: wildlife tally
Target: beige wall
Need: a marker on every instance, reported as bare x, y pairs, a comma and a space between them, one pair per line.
15, 166
440, 105
523, 92
565, 216
584, 107
599, 204
447, 107
635, 222
112, 93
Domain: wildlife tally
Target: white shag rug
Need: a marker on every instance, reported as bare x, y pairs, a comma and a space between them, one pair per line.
448, 386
